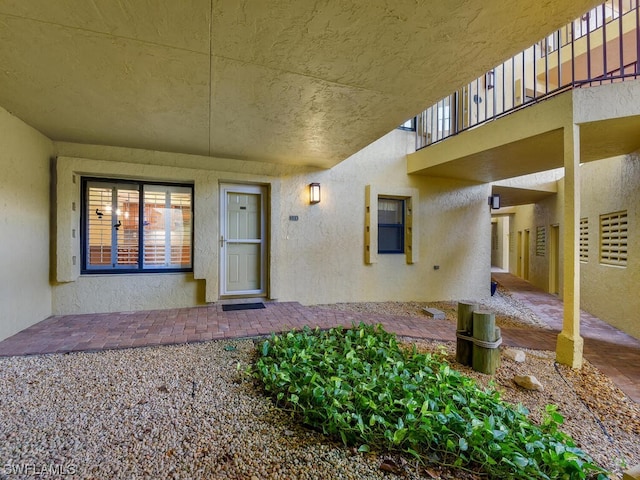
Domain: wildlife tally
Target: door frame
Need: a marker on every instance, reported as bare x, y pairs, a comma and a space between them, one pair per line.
519, 255
251, 188
554, 259
525, 254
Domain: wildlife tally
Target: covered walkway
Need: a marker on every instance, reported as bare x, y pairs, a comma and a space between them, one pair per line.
616, 354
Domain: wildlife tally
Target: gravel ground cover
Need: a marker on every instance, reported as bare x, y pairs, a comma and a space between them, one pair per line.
509, 311
189, 411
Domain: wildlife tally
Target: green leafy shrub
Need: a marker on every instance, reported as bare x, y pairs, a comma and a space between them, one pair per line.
358, 385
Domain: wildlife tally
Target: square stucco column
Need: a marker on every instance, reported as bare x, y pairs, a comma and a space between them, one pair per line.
570, 344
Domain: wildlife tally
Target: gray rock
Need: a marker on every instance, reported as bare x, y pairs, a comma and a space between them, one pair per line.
528, 382
515, 355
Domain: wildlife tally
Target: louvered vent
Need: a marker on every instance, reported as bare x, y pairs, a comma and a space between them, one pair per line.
584, 239
613, 238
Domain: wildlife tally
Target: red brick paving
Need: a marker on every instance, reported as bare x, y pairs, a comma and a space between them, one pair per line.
616, 354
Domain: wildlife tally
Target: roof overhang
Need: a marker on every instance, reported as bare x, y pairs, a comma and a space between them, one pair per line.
305, 83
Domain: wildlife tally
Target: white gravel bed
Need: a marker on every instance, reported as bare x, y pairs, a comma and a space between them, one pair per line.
158, 412
509, 311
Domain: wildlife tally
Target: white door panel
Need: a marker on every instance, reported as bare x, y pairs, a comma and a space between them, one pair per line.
243, 267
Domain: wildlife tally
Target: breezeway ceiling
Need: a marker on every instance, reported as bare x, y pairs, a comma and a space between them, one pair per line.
291, 82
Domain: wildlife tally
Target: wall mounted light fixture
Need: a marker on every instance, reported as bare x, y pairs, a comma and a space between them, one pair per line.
314, 193
494, 201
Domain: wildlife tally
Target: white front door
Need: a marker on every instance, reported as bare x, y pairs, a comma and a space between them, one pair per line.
242, 240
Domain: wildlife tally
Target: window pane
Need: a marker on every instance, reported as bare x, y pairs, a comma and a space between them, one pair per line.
390, 211
390, 225
390, 239
154, 227
167, 226
99, 226
181, 228
126, 226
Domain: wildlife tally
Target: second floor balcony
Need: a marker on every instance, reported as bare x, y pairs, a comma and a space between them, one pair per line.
602, 46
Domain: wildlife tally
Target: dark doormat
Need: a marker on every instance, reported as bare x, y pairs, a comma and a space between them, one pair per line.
242, 306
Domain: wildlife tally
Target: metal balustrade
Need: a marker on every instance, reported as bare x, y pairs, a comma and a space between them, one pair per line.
602, 46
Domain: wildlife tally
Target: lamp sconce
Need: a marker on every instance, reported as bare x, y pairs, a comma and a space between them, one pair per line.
494, 201
489, 80
314, 193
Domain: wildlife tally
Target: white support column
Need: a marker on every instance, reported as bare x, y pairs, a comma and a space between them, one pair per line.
570, 344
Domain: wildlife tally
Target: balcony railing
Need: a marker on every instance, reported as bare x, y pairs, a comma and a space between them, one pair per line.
602, 46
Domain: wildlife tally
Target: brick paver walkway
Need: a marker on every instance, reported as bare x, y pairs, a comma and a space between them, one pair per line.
613, 352
70, 333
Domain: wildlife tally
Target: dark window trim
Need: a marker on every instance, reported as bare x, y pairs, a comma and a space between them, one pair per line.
412, 128
124, 270
399, 226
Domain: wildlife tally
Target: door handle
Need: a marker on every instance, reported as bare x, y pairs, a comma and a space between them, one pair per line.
222, 240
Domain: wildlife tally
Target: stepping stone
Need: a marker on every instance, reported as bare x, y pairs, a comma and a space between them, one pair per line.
434, 312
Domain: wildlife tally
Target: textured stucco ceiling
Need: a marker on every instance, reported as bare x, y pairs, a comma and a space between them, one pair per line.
292, 82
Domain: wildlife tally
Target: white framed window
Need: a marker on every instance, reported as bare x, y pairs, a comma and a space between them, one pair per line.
613, 238
130, 227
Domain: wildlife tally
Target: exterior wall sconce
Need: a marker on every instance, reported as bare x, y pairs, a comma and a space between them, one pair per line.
314, 193
494, 201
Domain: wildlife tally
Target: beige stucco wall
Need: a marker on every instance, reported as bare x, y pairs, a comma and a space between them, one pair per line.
545, 213
76, 293
317, 259
323, 253
610, 292
25, 291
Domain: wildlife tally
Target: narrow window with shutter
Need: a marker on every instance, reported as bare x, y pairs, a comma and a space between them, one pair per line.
390, 225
